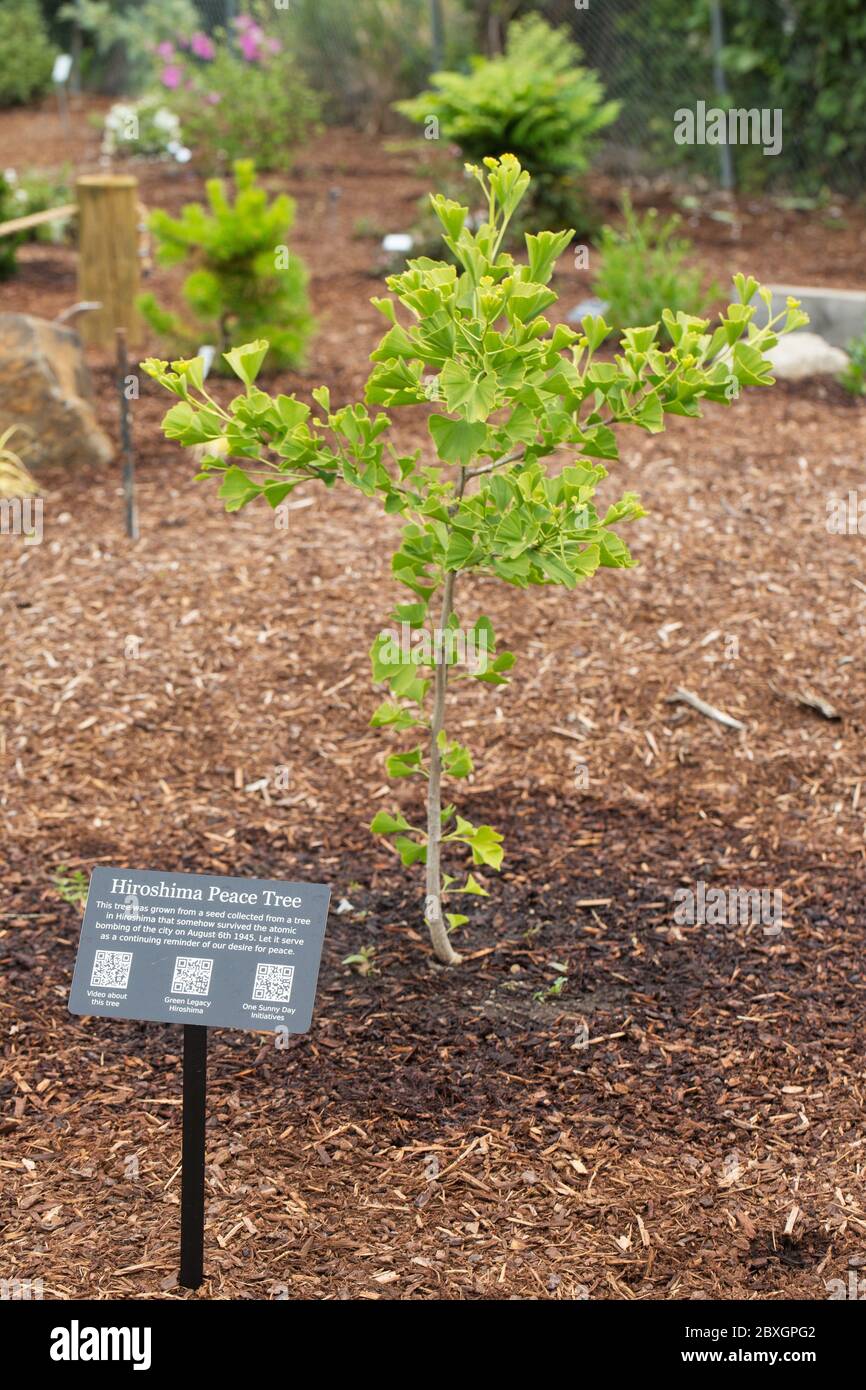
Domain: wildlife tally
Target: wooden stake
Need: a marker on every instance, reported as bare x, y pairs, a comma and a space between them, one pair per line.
108, 268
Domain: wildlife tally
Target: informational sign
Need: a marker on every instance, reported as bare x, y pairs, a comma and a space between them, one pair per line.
200, 949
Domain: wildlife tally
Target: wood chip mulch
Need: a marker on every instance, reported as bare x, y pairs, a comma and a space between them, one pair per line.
685, 1119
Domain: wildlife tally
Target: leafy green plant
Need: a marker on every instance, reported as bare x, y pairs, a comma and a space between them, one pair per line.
244, 282
555, 990
35, 191
494, 499
71, 887
853, 378
535, 102
644, 270
10, 208
26, 52
364, 961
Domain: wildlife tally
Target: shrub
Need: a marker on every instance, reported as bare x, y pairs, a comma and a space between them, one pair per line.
36, 191
244, 282
853, 378
535, 102
643, 270
10, 207
510, 391
26, 53
246, 101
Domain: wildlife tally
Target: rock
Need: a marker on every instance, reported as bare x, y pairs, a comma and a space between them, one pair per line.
804, 354
838, 315
595, 307
45, 389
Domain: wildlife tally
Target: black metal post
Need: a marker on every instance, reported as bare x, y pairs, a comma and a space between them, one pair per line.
192, 1174
126, 437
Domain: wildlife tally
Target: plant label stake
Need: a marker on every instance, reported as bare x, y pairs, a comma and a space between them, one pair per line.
126, 437
205, 951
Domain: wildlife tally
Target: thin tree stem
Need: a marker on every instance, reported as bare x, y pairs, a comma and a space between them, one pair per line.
433, 907
433, 915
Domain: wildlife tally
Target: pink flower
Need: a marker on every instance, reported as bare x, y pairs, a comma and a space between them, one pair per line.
243, 21
249, 46
165, 49
203, 47
172, 77
274, 45
213, 98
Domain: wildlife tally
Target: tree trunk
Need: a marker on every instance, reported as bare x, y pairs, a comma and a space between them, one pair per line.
433, 916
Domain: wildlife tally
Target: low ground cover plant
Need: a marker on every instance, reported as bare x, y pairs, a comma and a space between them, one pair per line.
853, 378
645, 270
243, 280
535, 101
525, 421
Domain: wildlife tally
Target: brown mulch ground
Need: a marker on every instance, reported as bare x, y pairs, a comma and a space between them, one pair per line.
686, 1119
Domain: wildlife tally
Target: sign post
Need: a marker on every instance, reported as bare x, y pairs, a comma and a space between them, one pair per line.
204, 951
192, 1155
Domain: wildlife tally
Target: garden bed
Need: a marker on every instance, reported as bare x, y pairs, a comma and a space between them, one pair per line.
453, 1133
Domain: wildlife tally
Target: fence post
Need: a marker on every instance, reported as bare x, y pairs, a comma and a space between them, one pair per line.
108, 269
437, 29
717, 29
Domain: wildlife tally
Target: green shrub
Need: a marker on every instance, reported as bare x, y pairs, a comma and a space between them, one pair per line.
853, 378
35, 191
10, 207
643, 270
535, 102
244, 282
26, 53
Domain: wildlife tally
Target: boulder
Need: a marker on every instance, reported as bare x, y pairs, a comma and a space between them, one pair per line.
803, 354
45, 389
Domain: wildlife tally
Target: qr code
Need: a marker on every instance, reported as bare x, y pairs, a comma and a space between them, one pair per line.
111, 969
274, 982
191, 975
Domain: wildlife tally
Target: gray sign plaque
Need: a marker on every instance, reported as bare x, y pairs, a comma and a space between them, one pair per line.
200, 948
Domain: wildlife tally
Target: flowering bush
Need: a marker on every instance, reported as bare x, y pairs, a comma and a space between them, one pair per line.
144, 129
237, 98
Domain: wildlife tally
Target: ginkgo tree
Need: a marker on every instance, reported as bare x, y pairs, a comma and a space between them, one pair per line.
524, 421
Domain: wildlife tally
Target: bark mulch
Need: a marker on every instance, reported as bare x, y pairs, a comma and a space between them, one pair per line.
685, 1119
